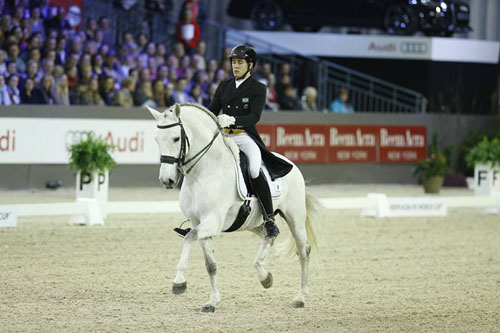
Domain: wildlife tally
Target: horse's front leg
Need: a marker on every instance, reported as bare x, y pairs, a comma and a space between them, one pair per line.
180, 281
208, 253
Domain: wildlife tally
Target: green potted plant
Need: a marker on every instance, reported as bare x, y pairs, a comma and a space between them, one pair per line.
92, 161
433, 167
484, 157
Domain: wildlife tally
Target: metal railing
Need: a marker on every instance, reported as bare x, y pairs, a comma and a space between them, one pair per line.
367, 93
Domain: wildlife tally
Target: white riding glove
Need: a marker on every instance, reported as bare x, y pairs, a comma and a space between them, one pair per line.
225, 121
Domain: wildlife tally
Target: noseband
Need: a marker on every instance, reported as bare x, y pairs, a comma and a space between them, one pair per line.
181, 159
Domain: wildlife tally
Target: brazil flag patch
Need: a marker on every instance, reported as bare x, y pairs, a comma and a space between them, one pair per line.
244, 100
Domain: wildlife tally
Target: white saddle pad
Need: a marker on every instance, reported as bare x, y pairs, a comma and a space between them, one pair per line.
275, 186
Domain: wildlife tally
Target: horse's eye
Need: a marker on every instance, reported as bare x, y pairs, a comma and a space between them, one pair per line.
176, 139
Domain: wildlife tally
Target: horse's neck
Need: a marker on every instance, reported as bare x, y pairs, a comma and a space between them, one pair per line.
217, 159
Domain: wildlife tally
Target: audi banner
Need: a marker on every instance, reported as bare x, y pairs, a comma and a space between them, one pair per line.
45, 141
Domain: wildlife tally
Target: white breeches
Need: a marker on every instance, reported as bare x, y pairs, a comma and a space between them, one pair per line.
251, 150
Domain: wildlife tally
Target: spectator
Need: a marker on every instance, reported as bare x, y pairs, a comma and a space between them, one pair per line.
159, 93
198, 9
263, 73
142, 41
129, 42
188, 31
30, 94
35, 55
144, 95
3, 65
290, 100
4, 93
72, 75
11, 68
341, 104
79, 96
196, 94
91, 28
59, 22
94, 98
108, 90
85, 74
97, 62
169, 94
201, 50
14, 56
178, 50
110, 67
161, 53
47, 89
107, 38
124, 97
220, 75
271, 95
162, 73
61, 95
179, 94
212, 87
61, 54
36, 21
127, 64
309, 100
13, 89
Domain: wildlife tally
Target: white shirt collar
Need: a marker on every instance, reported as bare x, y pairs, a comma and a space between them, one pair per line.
239, 82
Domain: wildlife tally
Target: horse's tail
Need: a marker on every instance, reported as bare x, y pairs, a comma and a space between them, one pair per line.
313, 215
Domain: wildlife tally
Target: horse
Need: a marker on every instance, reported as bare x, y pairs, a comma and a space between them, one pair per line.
193, 147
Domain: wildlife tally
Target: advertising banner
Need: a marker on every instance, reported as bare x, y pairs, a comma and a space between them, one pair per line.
46, 141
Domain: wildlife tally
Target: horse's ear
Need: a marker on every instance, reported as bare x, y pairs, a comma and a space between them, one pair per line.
156, 114
177, 109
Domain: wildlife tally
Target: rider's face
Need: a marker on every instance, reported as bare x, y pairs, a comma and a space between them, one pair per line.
240, 67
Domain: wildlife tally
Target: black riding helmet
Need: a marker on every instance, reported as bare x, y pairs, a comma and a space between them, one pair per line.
244, 52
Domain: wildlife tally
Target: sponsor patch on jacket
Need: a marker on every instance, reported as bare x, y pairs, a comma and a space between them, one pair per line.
244, 100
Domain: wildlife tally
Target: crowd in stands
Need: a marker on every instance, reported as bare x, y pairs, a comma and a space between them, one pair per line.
43, 60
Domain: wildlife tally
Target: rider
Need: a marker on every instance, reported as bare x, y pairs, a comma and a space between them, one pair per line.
242, 100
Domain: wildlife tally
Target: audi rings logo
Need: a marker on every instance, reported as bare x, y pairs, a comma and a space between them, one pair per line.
74, 136
414, 48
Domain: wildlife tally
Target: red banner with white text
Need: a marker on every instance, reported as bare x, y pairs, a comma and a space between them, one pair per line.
311, 143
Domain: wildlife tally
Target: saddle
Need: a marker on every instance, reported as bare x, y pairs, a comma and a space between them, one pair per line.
244, 189
244, 181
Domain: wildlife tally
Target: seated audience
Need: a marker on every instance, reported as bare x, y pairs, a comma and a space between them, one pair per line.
341, 104
309, 100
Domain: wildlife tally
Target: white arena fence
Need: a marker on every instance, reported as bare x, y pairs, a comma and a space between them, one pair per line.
373, 205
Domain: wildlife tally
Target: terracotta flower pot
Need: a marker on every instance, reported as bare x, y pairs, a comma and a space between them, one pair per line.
433, 184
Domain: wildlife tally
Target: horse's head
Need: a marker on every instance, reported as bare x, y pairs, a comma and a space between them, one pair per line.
172, 142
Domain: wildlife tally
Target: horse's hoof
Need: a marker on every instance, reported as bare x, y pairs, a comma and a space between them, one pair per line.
179, 288
298, 304
268, 281
207, 308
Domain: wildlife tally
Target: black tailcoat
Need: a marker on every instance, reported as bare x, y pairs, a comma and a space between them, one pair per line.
246, 104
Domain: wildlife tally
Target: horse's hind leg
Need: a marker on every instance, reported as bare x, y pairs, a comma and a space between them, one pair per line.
296, 219
208, 253
180, 281
265, 277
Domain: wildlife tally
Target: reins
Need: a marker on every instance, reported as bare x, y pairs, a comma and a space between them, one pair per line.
181, 159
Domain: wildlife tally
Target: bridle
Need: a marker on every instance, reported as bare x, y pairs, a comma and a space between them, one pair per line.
185, 145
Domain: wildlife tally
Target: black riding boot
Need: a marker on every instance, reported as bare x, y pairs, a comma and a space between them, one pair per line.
261, 189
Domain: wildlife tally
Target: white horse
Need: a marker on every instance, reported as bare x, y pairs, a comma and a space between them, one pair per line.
191, 143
